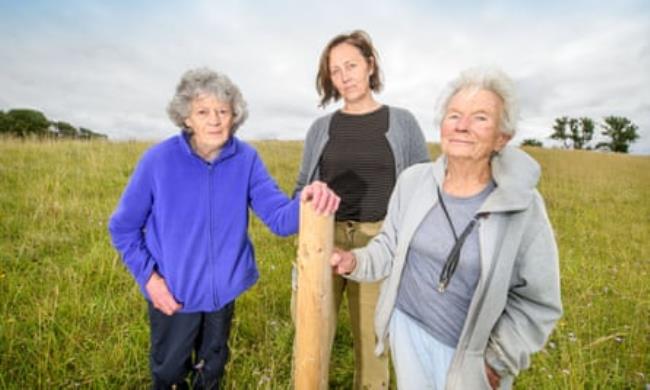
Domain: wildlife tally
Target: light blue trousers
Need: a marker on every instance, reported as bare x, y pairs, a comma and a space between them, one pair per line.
420, 361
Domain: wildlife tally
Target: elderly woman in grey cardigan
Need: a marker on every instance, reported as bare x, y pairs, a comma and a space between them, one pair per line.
470, 263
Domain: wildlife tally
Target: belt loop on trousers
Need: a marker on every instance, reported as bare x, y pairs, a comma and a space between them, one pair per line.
350, 229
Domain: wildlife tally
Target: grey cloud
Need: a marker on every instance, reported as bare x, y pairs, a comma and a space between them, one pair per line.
117, 71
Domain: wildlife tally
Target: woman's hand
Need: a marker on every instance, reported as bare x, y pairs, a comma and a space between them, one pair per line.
343, 262
160, 296
493, 377
322, 198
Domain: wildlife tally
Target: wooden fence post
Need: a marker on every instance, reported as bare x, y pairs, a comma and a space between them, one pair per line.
314, 301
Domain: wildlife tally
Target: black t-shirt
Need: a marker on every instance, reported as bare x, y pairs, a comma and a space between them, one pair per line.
358, 164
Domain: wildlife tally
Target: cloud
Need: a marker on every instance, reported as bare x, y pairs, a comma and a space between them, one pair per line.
113, 67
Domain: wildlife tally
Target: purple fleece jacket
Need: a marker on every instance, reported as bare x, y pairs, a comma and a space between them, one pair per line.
188, 219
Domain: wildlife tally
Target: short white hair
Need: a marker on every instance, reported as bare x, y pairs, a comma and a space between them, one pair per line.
204, 81
489, 79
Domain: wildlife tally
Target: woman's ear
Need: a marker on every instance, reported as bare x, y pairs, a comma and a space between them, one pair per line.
502, 141
371, 64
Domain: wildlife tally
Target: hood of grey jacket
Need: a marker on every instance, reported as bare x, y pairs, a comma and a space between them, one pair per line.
516, 175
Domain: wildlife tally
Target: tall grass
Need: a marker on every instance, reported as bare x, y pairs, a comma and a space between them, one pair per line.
73, 317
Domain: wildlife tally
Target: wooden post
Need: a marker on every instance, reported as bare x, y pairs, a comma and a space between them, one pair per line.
314, 300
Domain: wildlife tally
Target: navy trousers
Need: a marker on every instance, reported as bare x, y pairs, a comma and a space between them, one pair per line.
189, 350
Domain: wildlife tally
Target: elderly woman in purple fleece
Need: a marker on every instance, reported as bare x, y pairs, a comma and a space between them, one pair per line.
181, 228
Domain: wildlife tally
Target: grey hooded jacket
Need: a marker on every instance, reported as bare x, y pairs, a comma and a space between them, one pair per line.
517, 300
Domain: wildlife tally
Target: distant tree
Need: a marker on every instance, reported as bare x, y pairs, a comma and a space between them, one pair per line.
24, 122
582, 132
621, 131
532, 142
89, 134
560, 132
573, 132
3, 127
65, 130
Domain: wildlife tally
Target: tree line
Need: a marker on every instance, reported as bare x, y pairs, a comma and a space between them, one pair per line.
578, 133
574, 133
23, 122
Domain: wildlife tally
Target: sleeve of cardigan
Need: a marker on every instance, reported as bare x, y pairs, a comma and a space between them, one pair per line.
307, 157
418, 151
533, 305
128, 221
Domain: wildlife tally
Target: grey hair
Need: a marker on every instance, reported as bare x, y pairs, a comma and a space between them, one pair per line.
203, 81
484, 78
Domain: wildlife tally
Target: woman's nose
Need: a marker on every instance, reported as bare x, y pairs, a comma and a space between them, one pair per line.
462, 124
214, 117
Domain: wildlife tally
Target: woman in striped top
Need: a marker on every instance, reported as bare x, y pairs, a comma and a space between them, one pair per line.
359, 150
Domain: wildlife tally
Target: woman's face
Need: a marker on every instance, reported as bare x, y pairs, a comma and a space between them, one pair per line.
470, 128
350, 72
211, 121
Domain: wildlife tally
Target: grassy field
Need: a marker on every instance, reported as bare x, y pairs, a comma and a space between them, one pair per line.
72, 316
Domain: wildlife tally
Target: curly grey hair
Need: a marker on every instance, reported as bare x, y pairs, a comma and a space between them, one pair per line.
486, 78
203, 81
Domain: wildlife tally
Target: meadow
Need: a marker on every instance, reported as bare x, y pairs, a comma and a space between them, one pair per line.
73, 317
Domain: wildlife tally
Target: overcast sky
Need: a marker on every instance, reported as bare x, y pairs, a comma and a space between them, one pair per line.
113, 66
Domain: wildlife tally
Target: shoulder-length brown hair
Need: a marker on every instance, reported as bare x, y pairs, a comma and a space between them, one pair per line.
359, 39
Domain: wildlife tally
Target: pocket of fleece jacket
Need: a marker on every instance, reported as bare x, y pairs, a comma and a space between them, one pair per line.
172, 286
477, 360
471, 374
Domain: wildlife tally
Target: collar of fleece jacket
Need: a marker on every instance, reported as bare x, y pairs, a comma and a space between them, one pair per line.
516, 175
